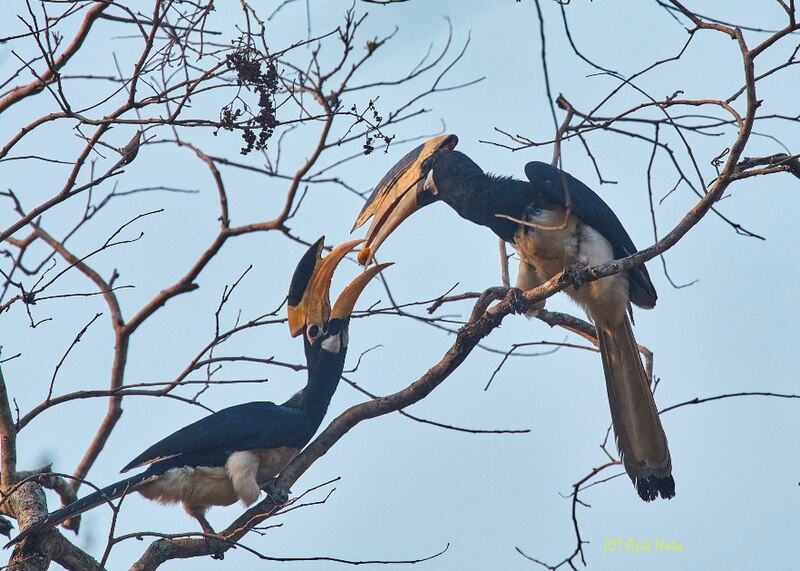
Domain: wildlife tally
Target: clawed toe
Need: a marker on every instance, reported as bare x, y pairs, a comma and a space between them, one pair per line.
278, 495
574, 274
517, 300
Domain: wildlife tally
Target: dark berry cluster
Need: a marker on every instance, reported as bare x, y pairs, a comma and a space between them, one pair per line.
369, 139
250, 74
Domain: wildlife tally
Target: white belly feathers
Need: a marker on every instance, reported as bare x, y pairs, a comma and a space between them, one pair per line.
551, 245
240, 479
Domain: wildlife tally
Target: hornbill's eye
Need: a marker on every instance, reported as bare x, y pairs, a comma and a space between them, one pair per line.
427, 191
313, 331
427, 165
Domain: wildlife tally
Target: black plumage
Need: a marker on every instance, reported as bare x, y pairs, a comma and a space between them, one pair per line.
211, 440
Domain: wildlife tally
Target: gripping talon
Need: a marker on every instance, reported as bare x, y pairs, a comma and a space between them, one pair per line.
278, 495
517, 300
574, 275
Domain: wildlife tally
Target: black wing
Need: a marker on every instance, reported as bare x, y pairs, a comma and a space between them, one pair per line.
210, 440
590, 208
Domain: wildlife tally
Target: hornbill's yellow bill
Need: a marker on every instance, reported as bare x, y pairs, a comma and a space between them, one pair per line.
395, 197
309, 293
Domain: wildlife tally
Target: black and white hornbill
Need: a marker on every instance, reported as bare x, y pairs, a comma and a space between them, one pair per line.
554, 221
231, 454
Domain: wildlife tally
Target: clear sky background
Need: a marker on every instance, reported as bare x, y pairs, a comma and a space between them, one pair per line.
407, 489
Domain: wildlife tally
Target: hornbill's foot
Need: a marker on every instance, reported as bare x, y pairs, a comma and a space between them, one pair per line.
276, 494
208, 532
574, 274
518, 303
521, 305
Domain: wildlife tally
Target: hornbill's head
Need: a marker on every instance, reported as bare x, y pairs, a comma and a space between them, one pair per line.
406, 188
324, 328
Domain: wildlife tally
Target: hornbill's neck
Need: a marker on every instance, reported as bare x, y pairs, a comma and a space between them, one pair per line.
323, 326
480, 197
324, 371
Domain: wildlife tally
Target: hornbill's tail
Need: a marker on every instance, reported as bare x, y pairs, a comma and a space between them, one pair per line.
86, 503
640, 437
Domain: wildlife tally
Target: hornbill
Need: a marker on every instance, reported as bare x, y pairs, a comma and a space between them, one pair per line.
553, 221
231, 454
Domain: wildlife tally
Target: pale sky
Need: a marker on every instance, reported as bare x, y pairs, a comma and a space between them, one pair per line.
407, 490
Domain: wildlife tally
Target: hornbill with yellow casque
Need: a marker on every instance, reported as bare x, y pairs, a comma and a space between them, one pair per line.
553, 221
231, 454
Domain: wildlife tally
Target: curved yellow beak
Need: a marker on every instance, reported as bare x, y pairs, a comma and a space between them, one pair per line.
309, 291
395, 197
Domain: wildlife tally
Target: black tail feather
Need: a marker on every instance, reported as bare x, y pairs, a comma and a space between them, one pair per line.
86, 503
650, 488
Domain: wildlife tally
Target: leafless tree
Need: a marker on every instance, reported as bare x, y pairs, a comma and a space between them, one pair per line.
76, 239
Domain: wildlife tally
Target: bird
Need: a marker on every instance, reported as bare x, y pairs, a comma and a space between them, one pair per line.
232, 454
554, 221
